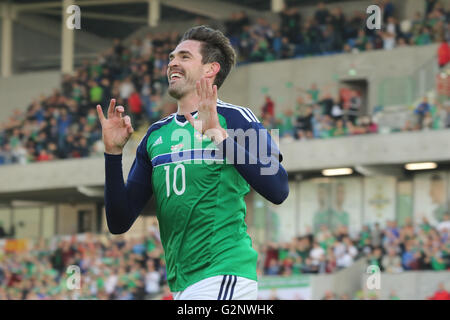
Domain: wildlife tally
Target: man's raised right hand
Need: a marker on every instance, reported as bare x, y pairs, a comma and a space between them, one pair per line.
116, 130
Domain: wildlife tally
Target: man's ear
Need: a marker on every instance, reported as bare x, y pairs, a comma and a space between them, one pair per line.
212, 70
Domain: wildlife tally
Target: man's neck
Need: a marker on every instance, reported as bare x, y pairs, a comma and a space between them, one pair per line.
188, 103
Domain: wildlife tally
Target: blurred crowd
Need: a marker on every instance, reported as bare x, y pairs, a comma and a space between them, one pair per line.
126, 268
441, 293
331, 31
320, 115
109, 268
393, 249
64, 124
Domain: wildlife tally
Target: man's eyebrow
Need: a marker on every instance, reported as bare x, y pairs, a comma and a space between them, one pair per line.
180, 52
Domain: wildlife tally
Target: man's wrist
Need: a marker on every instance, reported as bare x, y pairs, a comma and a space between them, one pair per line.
114, 151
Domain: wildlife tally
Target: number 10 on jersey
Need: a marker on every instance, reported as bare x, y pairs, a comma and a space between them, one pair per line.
173, 186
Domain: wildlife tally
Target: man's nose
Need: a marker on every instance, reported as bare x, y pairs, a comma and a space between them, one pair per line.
172, 63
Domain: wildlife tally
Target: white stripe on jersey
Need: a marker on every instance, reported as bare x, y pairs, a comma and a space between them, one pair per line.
164, 119
159, 121
238, 108
252, 115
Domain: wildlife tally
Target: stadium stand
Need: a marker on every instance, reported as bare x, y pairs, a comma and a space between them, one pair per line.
141, 68
63, 125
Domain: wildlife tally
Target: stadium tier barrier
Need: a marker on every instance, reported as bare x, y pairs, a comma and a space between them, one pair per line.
365, 150
409, 285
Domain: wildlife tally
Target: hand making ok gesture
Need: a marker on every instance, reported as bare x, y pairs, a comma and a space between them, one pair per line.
208, 120
116, 130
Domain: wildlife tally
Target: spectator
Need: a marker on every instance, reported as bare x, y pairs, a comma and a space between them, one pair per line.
135, 103
440, 294
95, 93
444, 225
290, 24
317, 252
388, 10
274, 268
322, 13
152, 279
268, 107
304, 125
286, 126
374, 258
429, 6
390, 34
421, 111
126, 88
409, 261
391, 262
43, 156
443, 53
355, 106
424, 37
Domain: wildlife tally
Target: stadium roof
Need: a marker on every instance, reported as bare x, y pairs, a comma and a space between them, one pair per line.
133, 13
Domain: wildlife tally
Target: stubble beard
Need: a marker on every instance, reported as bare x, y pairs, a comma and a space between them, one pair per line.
178, 91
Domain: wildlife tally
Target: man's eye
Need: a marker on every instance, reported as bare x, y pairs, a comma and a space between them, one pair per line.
185, 57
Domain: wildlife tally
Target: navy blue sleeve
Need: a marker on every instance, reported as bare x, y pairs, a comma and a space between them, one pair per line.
258, 160
124, 202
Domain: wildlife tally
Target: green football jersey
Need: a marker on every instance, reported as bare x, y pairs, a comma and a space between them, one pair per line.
199, 201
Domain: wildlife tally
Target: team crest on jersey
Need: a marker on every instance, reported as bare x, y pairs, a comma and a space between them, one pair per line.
200, 136
176, 147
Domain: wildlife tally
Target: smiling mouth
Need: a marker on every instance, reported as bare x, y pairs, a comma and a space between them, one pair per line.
175, 75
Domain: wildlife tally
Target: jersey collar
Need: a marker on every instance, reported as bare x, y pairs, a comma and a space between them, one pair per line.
181, 120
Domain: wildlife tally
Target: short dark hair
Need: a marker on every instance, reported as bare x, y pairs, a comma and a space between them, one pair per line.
216, 47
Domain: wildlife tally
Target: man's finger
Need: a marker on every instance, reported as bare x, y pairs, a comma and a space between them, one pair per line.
197, 86
101, 116
214, 92
196, 124
213, 98
112, 104
204, 89
200, 89
190, 118
118, 111
127, 122
209, 87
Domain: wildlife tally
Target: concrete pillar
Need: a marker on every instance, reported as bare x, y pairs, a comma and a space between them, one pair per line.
7, 15
67, 41
154, 12
277, 5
